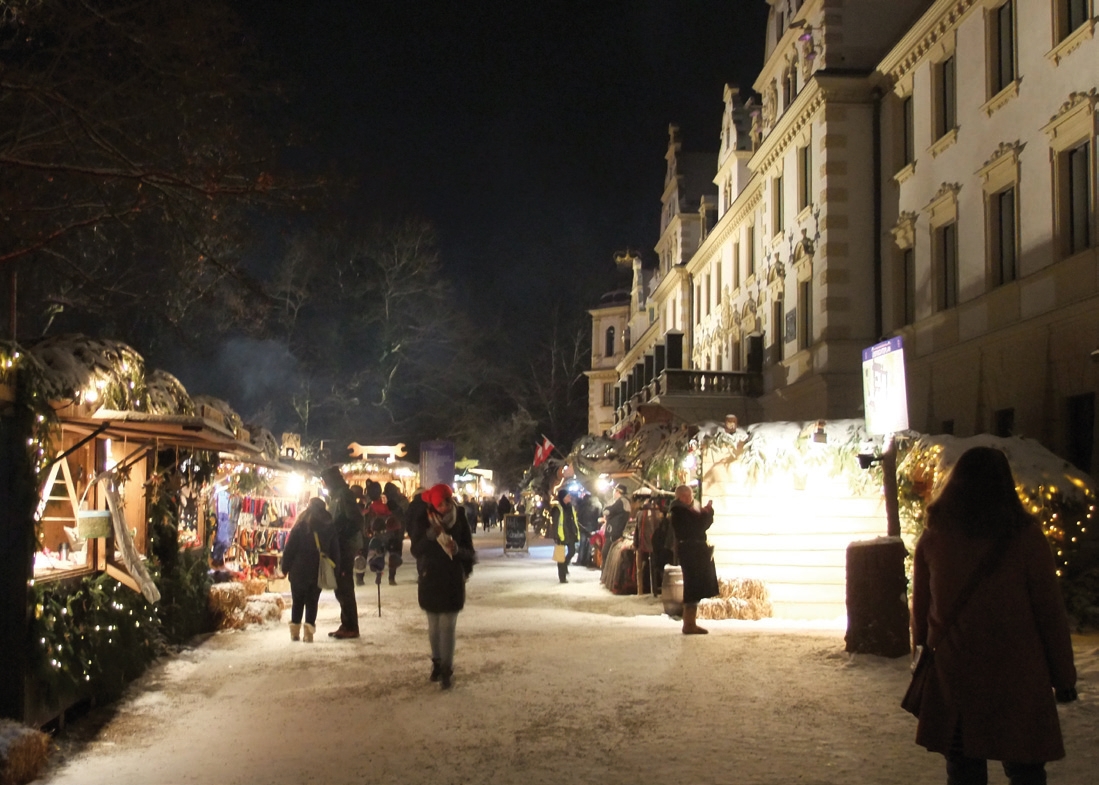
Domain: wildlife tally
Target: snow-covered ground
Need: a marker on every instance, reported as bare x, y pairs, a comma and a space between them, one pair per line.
553, 683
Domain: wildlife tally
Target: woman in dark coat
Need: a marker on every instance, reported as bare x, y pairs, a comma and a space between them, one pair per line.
395, 525
1008, 655
301, 561
443, 546
699, 578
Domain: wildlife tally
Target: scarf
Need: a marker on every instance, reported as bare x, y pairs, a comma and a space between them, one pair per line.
442, 523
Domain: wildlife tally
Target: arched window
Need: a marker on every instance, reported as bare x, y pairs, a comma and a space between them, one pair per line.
608, 346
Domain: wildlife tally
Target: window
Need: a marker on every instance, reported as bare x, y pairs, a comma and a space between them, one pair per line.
751, 251
608, 343
736, 264
1002, 237
1080, 431
908, 132
946, 105
1003, 423
734, 356
946, 249
776, 331
805, 314
1071, 15
789, 87
908, 279
709, 292
717, 272
608, 394
776, 205
1002, 46
805, 176
1078, 208
698, 303
947, 427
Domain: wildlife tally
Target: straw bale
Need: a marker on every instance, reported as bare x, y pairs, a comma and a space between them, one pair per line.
253, 586
23, 753
263, 608
227, 601
738, 598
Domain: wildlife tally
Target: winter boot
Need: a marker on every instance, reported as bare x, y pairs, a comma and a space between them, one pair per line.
294, 630
446, 675
436, 669
307, 633
690, 626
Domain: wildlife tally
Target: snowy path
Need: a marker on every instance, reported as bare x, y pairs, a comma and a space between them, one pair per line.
553, 683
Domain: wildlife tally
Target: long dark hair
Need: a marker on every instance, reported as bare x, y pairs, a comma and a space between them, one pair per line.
979, 497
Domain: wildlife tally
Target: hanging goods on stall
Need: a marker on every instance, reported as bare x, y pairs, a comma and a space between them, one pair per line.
326, 573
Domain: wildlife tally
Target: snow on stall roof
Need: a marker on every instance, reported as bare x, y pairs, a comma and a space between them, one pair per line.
167, 395
73, 363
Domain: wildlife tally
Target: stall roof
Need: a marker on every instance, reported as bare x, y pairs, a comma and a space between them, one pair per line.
169, 430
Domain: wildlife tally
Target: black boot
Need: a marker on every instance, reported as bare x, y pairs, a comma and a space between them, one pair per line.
446, 674
436, 669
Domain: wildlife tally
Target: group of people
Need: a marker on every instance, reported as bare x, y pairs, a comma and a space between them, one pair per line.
363, 524
985, 600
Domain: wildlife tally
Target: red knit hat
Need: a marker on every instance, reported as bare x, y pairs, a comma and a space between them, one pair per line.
438, 494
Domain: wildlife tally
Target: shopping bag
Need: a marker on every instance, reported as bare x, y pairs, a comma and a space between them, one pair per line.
559, 554
326, 572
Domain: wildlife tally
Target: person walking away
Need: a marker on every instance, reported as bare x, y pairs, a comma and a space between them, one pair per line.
443, 545
616, 516
1006, 658
690, 523
504, 508
312, 533
395, 527
587, 520
348, 520
470, 507
565, 531
488, 512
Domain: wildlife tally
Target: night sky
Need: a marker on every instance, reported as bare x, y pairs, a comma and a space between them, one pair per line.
531, 135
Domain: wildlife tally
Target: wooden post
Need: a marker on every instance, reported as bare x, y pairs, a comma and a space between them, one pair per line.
17, 504
889, 470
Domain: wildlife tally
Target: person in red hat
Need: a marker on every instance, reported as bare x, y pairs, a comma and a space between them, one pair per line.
443, 546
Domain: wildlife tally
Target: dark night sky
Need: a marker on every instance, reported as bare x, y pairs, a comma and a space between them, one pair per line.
530, 134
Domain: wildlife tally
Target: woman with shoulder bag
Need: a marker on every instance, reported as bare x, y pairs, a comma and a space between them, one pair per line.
301, 560
985, 600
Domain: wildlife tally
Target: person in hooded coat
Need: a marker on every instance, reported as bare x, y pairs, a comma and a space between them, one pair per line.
396, 525
1006, 658
443, 546
301, 562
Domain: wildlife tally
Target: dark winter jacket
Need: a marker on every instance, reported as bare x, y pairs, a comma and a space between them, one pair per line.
348, 519
504, 507
397, 503
690, 525
1007, 650
300, 558
442, 586
618, 515
565, 529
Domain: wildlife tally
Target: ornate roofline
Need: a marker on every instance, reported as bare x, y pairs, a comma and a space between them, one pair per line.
942, 18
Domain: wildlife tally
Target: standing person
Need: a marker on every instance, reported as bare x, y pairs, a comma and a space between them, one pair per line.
565, 530
690, 523
587, 519
616, 516
396, 526
488, 512
313, 532
348, 519
471, 509
443, 546
1007, 654
504, 507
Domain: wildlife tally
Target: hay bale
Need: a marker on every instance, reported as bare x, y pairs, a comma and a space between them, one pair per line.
263, 608
23, 753
254, 586
738, 598
227, 601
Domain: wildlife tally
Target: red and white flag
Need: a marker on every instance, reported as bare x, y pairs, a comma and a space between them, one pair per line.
542, 451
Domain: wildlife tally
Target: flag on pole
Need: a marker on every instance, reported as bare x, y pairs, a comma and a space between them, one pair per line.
542, 451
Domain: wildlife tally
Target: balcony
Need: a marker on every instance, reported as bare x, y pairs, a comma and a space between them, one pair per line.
695, 394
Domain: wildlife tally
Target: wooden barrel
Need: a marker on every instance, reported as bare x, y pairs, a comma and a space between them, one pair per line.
671, 590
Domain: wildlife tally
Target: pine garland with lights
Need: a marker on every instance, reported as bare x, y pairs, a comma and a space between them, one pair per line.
1060, 497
